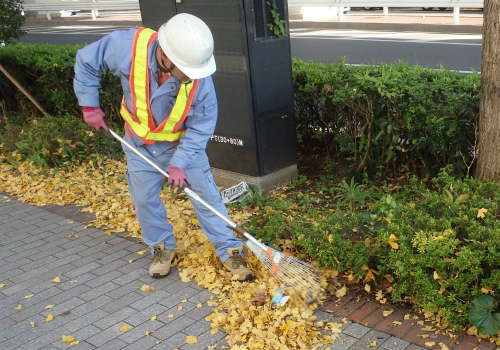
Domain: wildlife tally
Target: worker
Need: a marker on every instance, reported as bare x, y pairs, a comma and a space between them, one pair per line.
169, 109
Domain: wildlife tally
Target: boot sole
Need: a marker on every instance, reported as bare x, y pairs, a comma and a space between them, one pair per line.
157, 275
247, 279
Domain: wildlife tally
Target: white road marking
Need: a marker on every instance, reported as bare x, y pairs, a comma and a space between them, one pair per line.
387, 36
77, 30
386, 40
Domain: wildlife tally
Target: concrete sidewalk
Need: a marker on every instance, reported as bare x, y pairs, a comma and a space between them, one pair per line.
99, 291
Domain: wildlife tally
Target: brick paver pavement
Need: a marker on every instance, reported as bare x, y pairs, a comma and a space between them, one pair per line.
99, 291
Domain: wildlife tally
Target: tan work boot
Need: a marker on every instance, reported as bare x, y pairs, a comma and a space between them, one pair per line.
162, 260
236, 265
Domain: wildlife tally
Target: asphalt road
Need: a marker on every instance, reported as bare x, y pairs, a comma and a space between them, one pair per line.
458, 52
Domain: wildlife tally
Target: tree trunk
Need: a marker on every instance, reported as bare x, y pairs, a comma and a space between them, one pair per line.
488, 162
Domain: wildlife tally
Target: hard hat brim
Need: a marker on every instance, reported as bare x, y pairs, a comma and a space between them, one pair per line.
199, 72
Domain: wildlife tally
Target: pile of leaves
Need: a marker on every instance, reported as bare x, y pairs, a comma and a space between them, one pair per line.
100, 186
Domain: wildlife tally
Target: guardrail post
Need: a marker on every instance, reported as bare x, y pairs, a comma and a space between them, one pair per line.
456, 14
95, 13
386, 11
49, 17
340, 13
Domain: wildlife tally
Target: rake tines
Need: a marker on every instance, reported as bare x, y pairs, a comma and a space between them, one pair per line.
292, 272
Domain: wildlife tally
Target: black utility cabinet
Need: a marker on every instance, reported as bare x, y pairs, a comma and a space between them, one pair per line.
255, 133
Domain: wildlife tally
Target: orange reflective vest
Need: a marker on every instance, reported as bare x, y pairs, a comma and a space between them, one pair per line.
140, 118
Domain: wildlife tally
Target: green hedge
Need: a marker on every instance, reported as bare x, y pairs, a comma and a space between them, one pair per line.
47, 72
382, 119
387, 118
444, 253
62, 139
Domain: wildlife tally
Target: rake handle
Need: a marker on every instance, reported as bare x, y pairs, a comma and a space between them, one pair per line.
23, 90
190, 193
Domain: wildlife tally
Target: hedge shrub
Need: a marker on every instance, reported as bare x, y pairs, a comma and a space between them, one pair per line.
387, 118
56, 141
382, 119
428, 242
47, 72
62, 139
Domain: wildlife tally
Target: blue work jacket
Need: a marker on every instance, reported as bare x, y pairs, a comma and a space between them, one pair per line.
113, 53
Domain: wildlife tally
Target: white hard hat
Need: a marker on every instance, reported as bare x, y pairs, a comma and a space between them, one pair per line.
188, 43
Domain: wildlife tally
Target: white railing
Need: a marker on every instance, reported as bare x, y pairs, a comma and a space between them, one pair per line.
49, 6
341, 4
94, 6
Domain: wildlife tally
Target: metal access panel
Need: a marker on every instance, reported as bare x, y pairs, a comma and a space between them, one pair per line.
255, 133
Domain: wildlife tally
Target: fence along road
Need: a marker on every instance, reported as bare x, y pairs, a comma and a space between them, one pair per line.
297, 6
294, 6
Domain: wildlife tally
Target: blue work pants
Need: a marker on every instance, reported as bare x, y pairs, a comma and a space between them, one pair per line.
145, 184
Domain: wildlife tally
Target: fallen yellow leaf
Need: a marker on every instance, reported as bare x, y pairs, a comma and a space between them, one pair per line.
29, 296
191, 339
49, 318
214, 330
392, 241
146, 288
430, 343
481, 213
368, 288
485, 290
443, 346
396, 323
472, 330
33, 324
125, 327
341, 292
153, 318
428, 329
48, 307
180, 307
69, 339
149, 332
394, 245
73, 235
387, 312
170, 315
184, 301
130, 261
56, 280
406, 316
19, 307
199, 305
2, 285
393, 237
373, 344
142, 252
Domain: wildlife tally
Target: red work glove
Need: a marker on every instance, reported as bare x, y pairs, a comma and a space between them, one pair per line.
176, 176
94, 116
